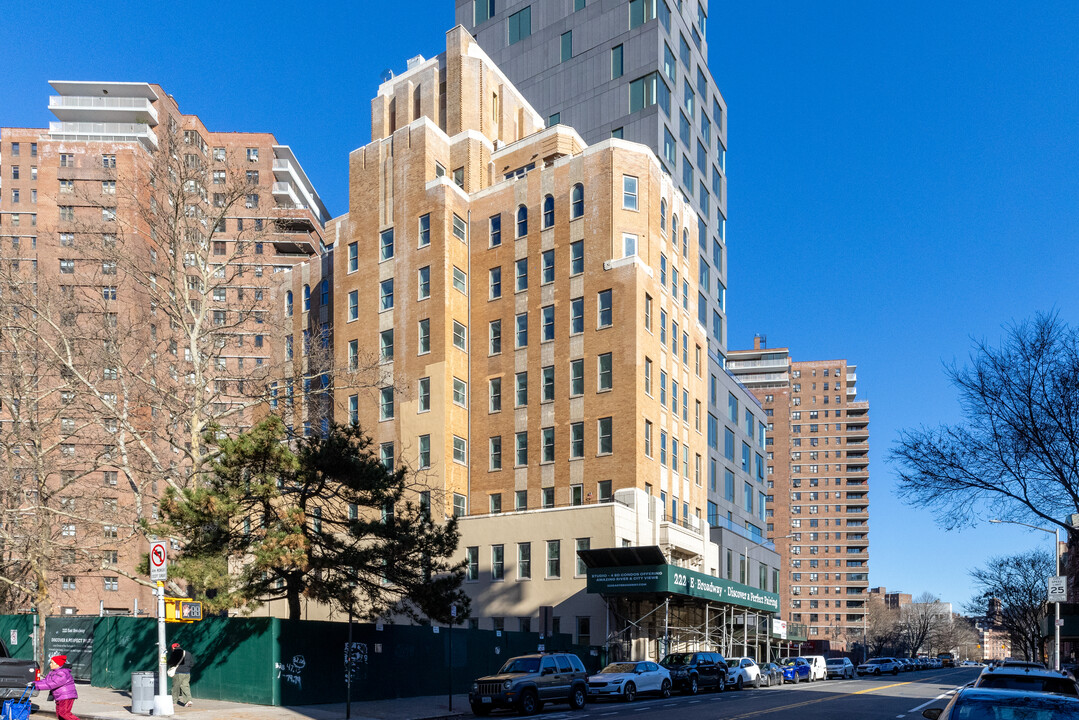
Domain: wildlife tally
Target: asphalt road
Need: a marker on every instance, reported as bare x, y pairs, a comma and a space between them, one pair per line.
887, 698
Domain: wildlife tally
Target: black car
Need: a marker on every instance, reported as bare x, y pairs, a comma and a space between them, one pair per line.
525, 683
692, 672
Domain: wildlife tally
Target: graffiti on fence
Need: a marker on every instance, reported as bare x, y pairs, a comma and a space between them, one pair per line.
292, 671
355, 659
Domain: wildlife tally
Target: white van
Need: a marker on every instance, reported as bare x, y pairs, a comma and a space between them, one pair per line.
818, 667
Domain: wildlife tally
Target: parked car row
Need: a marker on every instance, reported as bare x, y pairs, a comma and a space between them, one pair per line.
528, 682
894, 666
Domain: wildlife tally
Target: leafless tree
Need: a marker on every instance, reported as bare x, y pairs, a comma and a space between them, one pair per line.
1019, 582
918, 620
1016, 454
882, 628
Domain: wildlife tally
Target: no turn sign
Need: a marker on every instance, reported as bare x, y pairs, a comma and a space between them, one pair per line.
159, 555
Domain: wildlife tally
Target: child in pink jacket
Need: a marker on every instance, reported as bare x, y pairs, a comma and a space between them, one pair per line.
61, 683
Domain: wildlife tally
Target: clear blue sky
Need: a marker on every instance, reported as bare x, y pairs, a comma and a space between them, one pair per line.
903, 176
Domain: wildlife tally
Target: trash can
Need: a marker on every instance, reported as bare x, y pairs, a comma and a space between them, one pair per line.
142, 692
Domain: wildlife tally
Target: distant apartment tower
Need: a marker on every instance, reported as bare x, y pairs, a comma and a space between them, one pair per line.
818, 477
638, 70
98, 211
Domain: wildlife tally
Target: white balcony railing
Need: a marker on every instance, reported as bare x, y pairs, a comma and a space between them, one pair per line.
118, 104
121, 132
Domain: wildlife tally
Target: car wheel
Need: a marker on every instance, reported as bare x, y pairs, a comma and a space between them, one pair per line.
895, 671
722, 687
877, 672
757, 682
529, 703
738, 684
577, 698
481, 710
665, 689
629, 692
692, 688
796, 679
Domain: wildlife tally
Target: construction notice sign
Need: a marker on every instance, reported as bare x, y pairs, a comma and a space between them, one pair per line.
159, 555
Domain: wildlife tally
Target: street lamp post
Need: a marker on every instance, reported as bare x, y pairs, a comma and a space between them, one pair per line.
1056, 605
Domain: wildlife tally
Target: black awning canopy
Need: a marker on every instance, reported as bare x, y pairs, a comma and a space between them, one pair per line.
622, 556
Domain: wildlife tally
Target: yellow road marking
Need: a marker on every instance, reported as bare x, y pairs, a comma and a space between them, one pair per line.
882, 687
766, 711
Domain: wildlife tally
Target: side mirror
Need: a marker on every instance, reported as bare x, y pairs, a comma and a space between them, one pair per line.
932, 713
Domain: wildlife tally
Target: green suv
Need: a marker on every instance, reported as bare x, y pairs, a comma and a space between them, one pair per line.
525, 683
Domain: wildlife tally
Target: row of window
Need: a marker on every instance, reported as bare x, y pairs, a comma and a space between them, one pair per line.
523, 570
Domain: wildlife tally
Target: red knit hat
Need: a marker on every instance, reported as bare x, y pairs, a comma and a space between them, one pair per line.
59, 659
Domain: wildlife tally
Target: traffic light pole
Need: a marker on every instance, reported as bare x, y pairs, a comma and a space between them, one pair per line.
162, 700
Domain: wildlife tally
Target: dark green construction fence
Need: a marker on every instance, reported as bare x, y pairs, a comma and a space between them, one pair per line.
277, 662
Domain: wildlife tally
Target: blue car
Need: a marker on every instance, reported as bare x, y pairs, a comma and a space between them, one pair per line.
795, 669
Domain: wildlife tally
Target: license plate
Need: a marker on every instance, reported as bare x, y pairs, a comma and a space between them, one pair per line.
485, 699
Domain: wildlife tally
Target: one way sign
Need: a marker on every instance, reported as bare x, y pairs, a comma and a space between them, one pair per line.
159, 555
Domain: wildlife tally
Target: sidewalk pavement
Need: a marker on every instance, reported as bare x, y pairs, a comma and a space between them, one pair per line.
104, 704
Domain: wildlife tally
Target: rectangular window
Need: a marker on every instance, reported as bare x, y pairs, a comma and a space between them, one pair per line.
524, 560
629, 245
472, 559
605, 372
616, 62
576, 440
494, 453
425, 229
520, 25
385, 244
425, 282
460, 231
460, 280
576, 258
605, 445
547, 323
353, 305
460, 336
547, 445
494, 346
385, 405
494, 393
520, 449
424, 403
482, 11
629, 192
547, 267
566, 46
460, 450
520, 389
385, 342
576, 378
521, 331
641, 11
460, 392
586, 544
494, 279
554, 558
495, 227
605, 317
385, 290
547, 384
425, 451
498, 562
521, 274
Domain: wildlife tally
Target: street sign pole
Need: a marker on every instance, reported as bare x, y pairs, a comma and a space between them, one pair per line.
159, 572
449, 641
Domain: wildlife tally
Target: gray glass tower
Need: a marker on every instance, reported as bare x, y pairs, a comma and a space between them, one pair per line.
638, 70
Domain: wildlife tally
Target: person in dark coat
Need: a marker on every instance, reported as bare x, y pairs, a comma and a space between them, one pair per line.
179, 664
62, 685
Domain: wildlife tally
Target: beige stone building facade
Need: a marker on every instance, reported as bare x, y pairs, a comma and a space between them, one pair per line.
818, 479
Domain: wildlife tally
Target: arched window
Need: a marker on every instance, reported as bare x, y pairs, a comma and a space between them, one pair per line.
306, 298
548, 211
325, 293
522, 221
288, 303
685, 241
674, 229
576, 202
663, 215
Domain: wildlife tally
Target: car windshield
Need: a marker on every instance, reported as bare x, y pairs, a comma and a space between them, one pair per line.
620, 668
732, 663
521, 665
788, 661
1029, 683
835, 661
677, 659
876, 661
1017, 707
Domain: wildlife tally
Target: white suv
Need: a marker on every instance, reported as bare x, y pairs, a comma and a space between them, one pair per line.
743, 671
879, 666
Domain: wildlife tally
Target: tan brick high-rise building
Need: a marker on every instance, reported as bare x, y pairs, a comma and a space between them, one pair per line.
138, 247
818, 472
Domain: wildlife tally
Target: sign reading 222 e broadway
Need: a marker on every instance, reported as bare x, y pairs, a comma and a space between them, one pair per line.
676, 580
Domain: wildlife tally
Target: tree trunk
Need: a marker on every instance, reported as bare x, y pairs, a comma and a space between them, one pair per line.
293, 598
